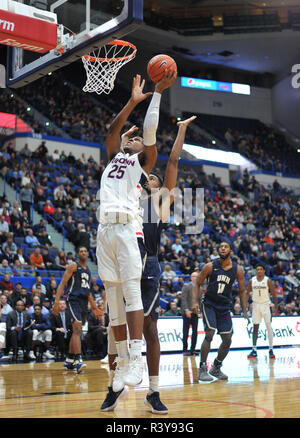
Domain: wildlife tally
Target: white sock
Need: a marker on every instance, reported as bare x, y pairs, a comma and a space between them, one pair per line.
254, 347
153, 384
122, 349
136, 347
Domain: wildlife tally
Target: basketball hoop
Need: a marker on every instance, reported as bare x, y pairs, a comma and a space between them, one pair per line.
102, 66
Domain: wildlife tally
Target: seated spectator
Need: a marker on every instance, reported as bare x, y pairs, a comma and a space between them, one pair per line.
97, 292
36, 299
48, 261
7, 256
42, 332
39, 282
173, 311
6, 283
279, 269
70, 258
51, 290
4, 229
20, 293
31, 240
289, 310
292, 295
5, 308
36, 259
69, 226
179, 285
290, 278
61, 191
19, 331
46, 303
9, 243
177, 246
59, 215
61, 260
48, 208
5, 268
97, 331
169, 289
186, 267
39, 228
237, 310
20, 257
173, 257
168, 273
278, 290
62, 326
281, 255
25, 151
18, 229
81, 238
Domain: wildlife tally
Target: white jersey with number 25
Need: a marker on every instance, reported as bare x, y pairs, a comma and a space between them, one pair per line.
121, 186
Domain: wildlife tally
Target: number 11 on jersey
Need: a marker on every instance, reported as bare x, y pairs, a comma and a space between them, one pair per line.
221, 287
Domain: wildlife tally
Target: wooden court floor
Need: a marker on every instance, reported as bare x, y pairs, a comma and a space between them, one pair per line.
258, 388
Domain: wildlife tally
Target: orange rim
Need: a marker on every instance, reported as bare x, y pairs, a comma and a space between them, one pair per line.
116, 43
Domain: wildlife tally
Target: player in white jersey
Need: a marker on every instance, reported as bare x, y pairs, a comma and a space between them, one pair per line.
119, 253
261, 287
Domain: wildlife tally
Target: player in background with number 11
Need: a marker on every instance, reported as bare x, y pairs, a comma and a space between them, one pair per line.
217, 302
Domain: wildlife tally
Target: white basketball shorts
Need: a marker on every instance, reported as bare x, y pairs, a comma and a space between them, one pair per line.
261, 311
118, 254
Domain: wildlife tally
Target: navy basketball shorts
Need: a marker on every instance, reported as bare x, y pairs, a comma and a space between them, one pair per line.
217, 318
78, 309
150, 287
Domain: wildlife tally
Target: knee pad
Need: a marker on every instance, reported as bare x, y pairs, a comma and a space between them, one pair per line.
114, 295
132, 294
111, 343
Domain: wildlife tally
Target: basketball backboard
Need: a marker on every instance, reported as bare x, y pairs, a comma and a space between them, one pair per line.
84, 25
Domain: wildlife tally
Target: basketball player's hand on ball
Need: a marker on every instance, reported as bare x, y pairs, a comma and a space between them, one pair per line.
186, 122
166, 82
137, 94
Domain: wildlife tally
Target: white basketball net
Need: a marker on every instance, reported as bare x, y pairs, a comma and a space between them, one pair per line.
102, 65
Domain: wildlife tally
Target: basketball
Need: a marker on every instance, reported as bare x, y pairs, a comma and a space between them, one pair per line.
157, 66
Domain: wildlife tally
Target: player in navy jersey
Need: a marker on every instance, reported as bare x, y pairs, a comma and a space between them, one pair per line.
76, 285
216, 307
155, 210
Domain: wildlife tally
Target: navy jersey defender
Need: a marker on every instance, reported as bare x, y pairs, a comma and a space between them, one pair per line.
217, 302
152, 228
76, 281
219, 288
77, 292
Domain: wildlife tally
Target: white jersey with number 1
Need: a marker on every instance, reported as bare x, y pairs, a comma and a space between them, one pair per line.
260, 290
121, 186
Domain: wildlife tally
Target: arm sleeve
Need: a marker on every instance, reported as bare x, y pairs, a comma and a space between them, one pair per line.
151, 120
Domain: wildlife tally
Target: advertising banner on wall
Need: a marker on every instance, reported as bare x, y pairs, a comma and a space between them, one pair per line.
286, 331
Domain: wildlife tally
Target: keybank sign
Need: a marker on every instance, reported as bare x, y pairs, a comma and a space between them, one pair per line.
286, 330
